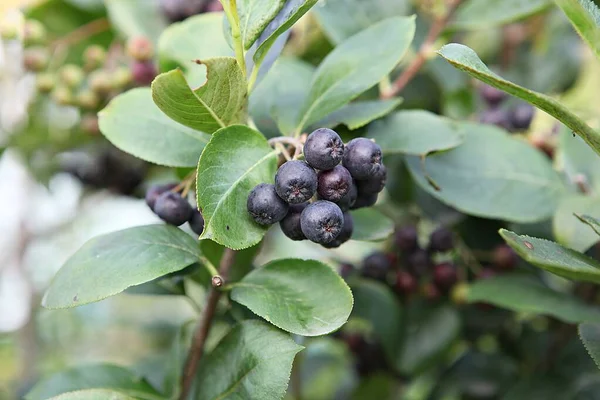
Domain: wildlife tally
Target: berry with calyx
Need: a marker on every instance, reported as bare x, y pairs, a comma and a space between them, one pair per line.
34, 33
334, 184
445, 276
196, 222
87, 99
156, 190
491, 95
140, 48
89, 124
296, 182
407, 238
496, 116
376, 266
322, 221
45, 82
62, 95
441, 240
504, 257
374, 184
143, 72
362, 158
323, 149
406, 283
290, 225
418, 261
94, 57
346, 202
265, 206
100, 81
71, 75
35, 59
521, 116
172, 208
345, 234
364, 200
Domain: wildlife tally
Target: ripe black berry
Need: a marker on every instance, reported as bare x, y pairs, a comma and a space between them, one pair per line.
334, 183
322, 221
505, 257
290, 225
441, 240
374, 184
521, 116
362, 158
296, 182
156, 190
364, 200
345, 234
265, 206
445, 276
407, 238
323, 149
496, 116
492, 96
172, 208
346, 202
376, 266
196, 222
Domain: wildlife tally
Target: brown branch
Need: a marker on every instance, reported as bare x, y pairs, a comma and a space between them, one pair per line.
206, 320
417, 63
83, 32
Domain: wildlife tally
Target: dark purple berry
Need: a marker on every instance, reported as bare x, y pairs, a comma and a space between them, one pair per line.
196, 222
290, 225
374, 184
178, 10
334, 183
345, 234
419, 262
441, 240
492, 96
143, 72
323, 149
322, 221
155, 191
505, 258
172, 208
376, 266
496, 116
445, 276
521, 116
346, 202
296, 182
347, 270
265, 206
364, 200
362, 158
407, 238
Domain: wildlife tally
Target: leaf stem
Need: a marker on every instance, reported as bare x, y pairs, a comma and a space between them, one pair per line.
206, 320
253, 77
230, 9
425, 51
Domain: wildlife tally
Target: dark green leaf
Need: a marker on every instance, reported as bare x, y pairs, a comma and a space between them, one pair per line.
568, 230
93, 394
371, 225
304, 297
476, 178
133, 123
593, 223
326, 369
525, 294
585, 17
358, 114
476, 14
378, 386
254, 17
218, 103
416, 132
101, 376
111, 263
553, 257
235, 160
590, 336
466, 60
136, 18
253, 361
349, 69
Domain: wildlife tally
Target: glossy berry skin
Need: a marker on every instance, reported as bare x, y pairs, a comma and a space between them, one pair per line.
196, 222
265, 206
505, 258
406, 283
407, 239
492, 96
445, 276
290, 225
143, 72
496, 116
296, 182
156, 190
345, 234
375, 184
322, 221
323, 149
441, 240
364, 200
521, 116
362, 158
346, 202
334, 184
172, 208
376, 266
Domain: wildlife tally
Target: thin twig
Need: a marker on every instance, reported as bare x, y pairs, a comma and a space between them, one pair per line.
426, 48
83, 32
206, 320
298, 146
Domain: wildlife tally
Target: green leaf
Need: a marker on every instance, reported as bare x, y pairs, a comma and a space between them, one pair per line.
218, 103
136, 18
593, 223
341, 19
253, 361
111, 263
568, 230
375, 303
585, 17
254, 17
304, 297
358, 114
349, 69
553, 257
93, 394
371, 225
525, 294
326, 369
235, 160
476, 178
428, 336
101, 376
291, 12
416, 132
476, 14
579, 162
466, 60
134, 124
590, 336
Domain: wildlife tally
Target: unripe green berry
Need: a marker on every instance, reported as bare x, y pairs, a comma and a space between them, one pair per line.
45, 82
71, 75
121, 78
36, 59
34, 33
94, 56
140, 48
100, 81
62, 95
88, 99
460, 293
